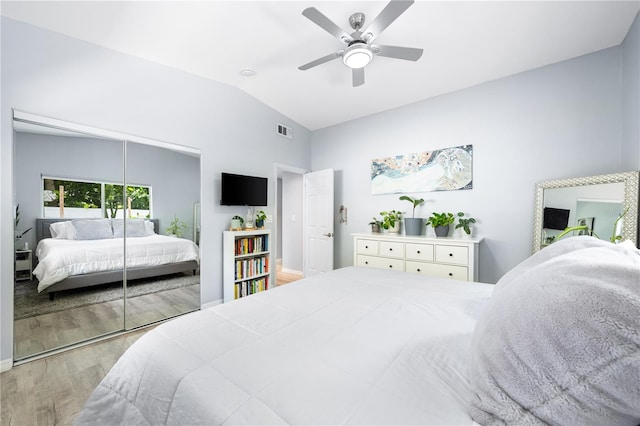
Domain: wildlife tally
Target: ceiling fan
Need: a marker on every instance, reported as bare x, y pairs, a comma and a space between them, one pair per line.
360, 50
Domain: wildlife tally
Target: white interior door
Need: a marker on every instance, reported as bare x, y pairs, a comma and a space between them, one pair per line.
318, 200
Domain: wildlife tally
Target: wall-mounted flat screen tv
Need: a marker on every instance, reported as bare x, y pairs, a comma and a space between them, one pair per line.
555, 218
241, 190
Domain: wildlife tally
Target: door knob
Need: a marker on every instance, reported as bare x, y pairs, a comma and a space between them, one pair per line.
328, 234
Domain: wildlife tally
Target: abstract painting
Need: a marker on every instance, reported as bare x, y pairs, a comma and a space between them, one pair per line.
446, 169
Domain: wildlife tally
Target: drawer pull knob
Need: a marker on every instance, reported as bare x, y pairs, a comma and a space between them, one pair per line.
390, 266
418, 251
450, 254
390, 249
366, 262
450, 274
418, 269
366, 246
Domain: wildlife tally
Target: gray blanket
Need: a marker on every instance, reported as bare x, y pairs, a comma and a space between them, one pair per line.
560, 341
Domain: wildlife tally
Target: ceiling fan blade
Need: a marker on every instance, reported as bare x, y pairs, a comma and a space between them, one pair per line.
327, 24
322, 60
397, 52
358, 77
389, 14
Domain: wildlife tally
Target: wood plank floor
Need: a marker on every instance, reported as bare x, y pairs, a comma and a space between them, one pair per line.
286, 277
53, 390
42, 333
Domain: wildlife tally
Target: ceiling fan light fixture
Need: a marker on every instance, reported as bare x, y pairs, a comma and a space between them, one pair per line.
357, 56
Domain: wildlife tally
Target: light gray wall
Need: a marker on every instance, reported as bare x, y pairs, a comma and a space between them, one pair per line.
56, 76
631, 98
174, 177
292, 228
559, 121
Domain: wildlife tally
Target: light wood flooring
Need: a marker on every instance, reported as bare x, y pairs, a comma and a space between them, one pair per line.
42, 333
286, 277
53, 390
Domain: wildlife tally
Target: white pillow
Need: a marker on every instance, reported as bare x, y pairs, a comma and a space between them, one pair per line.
149, 228
559, 342
61, 230
135, 228
92, 229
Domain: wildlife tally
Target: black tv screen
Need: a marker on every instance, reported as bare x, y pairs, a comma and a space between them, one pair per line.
555, 218
241, 190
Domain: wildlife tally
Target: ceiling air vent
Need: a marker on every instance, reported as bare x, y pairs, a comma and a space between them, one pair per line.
283, 130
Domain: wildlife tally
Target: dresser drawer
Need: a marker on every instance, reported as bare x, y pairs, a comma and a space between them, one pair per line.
380, 262
436, 270
452, 254
419, 251
391, 249
367, 246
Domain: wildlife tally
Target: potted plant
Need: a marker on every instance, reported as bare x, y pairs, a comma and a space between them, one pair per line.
466, 223
391, 221
261, 216
441, 222
18, 234
375, 225
413, 224
177, 227
236, 223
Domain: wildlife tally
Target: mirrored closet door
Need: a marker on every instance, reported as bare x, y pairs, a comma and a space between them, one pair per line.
93, 212
162, 273
63, 176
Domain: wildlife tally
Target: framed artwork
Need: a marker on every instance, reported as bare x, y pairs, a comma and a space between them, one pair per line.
446, 169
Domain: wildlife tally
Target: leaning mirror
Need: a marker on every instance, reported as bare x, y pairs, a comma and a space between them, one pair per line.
605, 206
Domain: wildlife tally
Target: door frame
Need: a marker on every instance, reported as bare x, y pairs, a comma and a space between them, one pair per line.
278, 168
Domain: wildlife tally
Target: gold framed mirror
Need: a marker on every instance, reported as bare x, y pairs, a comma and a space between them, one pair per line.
560, 204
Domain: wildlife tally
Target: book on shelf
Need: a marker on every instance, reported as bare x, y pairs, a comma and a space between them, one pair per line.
249, 245
249, 287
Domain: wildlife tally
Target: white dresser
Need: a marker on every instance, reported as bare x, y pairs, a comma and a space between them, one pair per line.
455, 258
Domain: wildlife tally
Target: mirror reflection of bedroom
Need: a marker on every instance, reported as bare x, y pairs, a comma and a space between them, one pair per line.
82, 271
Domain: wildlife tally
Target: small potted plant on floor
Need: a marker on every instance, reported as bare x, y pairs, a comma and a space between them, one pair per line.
261, 216
375, 225
466, 223
441, 222
391, 221
413, 224
236, 223
177, 227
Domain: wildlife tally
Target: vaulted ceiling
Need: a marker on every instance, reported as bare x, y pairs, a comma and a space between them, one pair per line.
465, 44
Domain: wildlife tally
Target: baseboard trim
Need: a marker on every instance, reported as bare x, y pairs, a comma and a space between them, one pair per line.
6, 365
291, 271
211, 304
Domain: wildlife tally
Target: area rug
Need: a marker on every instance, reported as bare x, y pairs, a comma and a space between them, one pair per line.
28, 302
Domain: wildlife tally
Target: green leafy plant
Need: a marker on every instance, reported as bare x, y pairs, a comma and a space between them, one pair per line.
465, 223
19, 234
414, 201
261, 215
440, 219
177, 227
389, 218
239, 218
375, 221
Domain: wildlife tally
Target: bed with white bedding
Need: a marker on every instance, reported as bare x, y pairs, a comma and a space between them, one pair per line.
371, 346
95, 254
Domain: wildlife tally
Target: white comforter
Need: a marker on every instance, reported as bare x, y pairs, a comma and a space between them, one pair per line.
60, 258
353, 346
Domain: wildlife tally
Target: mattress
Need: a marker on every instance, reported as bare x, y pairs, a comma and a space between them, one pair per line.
61, 258
352, 346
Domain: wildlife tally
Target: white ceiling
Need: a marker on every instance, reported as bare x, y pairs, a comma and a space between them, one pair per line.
465, 44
